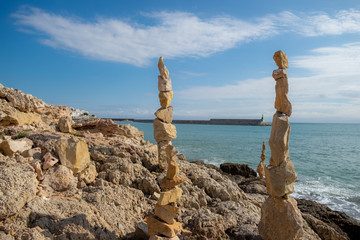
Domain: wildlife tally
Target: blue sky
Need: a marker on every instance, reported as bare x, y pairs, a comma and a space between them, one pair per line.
102, 56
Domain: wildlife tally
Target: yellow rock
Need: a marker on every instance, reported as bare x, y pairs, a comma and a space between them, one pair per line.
165, 98
165, 114
281, 59
170, 183
170, 196
164, 85
279, 139
73, 153
156, 227
280, 179
172, 170
164, 131
282, 103
162, 68
166, 213
88, 174
281, 220
162, 154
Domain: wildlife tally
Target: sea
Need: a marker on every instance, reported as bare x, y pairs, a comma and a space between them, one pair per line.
326, 156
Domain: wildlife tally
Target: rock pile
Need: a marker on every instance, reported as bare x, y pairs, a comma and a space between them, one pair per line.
280, 217
163, 223
261, 167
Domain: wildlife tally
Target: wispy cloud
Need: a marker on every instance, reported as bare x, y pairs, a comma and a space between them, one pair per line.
175, 34
319, 23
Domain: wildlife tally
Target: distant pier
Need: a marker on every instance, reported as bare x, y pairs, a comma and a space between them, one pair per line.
213, 121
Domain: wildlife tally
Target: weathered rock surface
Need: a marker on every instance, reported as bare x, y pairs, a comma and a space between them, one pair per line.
164, 131
164, 85
281, 59
279, 139
73, 153
280, 179
17, 186
281, 220
60, 178
165, 98
213, 205
238, 169
165, 114
9, 147
282, 103
65, 124
340, 222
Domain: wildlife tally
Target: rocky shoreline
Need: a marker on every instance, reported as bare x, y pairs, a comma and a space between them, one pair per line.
83, 177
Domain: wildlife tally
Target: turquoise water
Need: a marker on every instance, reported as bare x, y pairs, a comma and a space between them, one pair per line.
326, 156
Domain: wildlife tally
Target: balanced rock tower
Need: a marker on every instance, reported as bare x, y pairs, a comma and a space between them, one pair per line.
280, 217
261, 167
162, 225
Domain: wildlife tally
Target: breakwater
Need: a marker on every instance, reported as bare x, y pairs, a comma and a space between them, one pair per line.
213, 121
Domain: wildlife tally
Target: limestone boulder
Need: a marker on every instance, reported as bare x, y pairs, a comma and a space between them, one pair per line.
281, 59
12, 116
170, 196
59, 178
9, 147
164, 85
280, 179
37, 166
17, 186
281, 220
73, 153
165, 98
173, 169
165, 114
89, 174
65, 124
163, 131
279, 139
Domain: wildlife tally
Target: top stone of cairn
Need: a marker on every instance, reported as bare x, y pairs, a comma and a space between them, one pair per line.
163, 70
281, 59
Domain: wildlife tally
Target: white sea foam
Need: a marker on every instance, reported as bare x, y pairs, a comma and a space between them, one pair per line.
326, 191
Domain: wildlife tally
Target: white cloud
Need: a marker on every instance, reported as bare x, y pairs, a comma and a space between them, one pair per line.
176, 34
330, 92
319, 23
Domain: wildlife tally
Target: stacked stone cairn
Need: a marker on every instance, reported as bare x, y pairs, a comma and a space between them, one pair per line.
280, 217
162, 225
261, 167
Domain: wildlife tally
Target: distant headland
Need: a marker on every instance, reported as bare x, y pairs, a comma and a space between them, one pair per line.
213, 121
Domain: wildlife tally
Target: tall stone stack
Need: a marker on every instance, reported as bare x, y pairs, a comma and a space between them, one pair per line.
162, 225
261, 167
280, 217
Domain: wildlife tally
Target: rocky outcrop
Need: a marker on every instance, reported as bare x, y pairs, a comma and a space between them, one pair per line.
120, 187
238, 169
280, 217
17, 186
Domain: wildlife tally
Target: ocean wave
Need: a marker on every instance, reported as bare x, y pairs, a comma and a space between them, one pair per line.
325, 191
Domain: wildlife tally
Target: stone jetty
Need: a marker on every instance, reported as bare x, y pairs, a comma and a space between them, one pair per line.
162, 225
280, 217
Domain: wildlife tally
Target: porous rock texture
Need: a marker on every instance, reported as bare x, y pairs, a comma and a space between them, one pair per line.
213, 205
